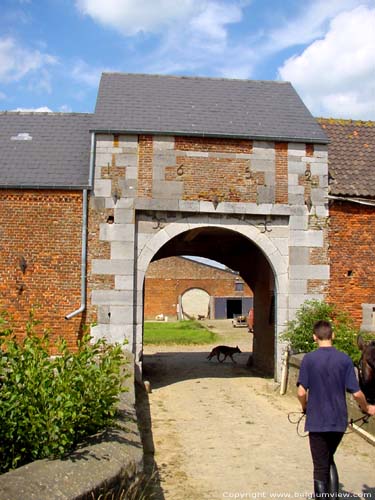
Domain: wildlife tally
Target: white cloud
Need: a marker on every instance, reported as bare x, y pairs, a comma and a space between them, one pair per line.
16, 61
133, 16
336, 74
308, 26
86, 74
130, 17
42, 109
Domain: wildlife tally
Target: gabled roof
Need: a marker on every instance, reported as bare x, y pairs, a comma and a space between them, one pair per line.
204, 107
351, 156
44, 150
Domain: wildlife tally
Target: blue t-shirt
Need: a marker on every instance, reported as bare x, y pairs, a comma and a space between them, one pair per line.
327, 374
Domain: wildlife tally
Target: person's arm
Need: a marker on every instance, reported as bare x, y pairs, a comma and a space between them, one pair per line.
302, 397
363, 404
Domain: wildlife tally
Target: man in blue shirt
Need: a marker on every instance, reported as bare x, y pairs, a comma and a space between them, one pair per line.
325, 376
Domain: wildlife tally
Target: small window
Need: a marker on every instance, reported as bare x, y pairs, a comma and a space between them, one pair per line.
238, 286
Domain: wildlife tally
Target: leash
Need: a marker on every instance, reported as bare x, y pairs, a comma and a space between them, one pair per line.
297, 418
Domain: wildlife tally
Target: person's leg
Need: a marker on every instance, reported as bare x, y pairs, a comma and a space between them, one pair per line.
333, 439
320, 454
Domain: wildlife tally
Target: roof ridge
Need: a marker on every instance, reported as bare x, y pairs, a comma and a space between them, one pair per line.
49, 113
346, 121
189, 77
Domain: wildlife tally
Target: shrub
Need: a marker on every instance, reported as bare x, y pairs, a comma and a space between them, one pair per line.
48, 405
299, 331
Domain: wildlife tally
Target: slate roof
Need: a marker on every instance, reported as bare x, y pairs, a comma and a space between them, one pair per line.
44, 150
204, 107
351, 156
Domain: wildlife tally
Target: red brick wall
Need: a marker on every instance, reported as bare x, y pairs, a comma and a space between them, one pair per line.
204, 178
169, 278
145, 157
281, 177
43, 227
352, 248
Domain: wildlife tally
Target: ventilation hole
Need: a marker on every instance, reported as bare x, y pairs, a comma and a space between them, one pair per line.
349, 273
110, 219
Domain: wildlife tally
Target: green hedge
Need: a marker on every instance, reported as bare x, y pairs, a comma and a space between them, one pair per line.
299, 332
48, 405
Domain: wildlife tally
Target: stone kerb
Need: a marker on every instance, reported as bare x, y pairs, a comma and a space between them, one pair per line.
277, 261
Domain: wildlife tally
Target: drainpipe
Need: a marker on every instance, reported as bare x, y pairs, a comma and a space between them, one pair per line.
85, 198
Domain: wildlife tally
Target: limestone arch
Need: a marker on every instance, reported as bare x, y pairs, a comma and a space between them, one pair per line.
277, 262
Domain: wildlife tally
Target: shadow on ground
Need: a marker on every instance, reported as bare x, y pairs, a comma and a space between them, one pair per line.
166, 368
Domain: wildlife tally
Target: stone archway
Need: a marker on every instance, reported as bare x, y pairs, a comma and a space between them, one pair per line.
271, 298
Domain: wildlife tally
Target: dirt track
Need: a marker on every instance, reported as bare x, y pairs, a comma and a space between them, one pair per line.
220, 431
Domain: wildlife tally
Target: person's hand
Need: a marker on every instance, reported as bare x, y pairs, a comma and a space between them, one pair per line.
370, 410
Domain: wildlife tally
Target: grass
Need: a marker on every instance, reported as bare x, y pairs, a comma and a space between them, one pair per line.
179, 332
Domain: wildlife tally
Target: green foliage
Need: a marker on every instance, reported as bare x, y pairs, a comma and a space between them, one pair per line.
299, 332
49, 405
179, 332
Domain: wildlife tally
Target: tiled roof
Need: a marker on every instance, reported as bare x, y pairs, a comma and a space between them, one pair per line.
351, 156
39, 150
204, 107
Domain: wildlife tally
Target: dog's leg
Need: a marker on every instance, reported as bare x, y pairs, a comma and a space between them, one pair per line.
231, 357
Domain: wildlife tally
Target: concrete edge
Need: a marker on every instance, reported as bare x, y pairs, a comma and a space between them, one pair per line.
110, 460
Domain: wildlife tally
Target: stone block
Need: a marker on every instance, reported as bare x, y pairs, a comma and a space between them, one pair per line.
321, 151
125, 203
322, 211
297, 168
116, 232
124, 215
103, 159
319, 196
104, 140
266, 194
296, 199
126, 160
114, 334
296, 149
299, 222
298, 286
103, 314
282, 244
170, 190
296, 189
297, 299
318, 272
124, 282
264, 149
197, 154
319, 169
163, 142
293, 179
97, 204
102, 187
121, 315
269, 179
324, 181
299, 255
262, 165
111, 297
122, 250
306, 238
112, 266
188, 206
128, 141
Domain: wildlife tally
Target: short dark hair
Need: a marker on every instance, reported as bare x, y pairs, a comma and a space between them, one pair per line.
323, 330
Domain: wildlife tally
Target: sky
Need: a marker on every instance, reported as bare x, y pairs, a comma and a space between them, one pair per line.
52, 52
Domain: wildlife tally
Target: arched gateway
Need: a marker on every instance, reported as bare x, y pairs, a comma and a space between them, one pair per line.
248, 191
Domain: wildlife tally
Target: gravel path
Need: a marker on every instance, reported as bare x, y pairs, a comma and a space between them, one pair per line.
221, 431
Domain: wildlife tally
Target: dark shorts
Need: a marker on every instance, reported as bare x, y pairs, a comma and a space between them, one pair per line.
323, 446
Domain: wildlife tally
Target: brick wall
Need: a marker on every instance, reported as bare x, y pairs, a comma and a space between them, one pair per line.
352, 254
169, 278
42, 228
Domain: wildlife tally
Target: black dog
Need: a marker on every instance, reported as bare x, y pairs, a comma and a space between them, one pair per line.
225, 350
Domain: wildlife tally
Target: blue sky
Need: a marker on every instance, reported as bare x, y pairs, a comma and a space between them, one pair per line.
52, 52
